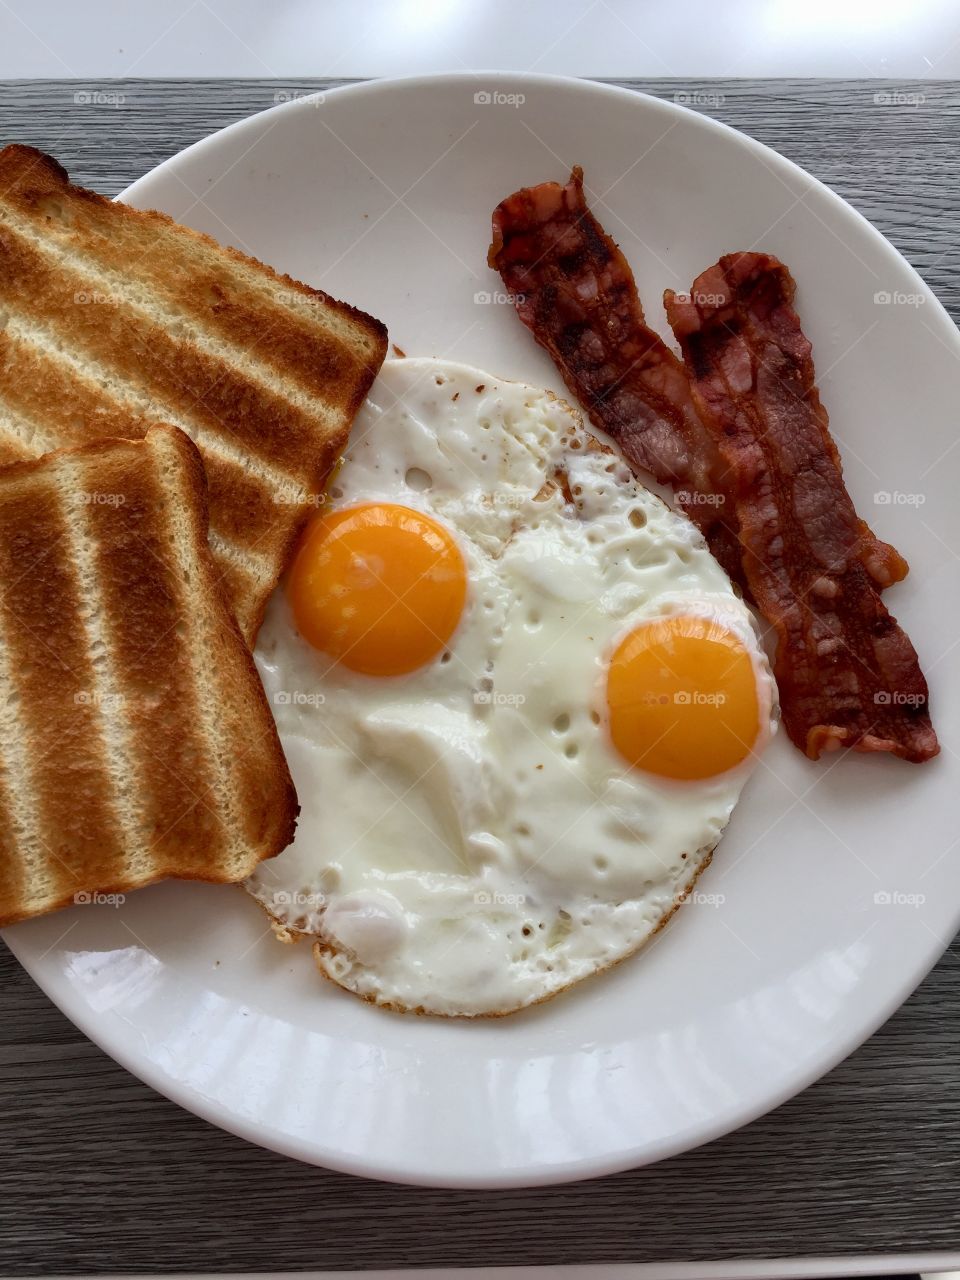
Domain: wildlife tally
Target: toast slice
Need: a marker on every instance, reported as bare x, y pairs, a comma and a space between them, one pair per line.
135, 738
112, 319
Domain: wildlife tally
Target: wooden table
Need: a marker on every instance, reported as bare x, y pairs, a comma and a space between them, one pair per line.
98, 1173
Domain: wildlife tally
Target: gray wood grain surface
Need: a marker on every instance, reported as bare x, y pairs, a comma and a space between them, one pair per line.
98, 1173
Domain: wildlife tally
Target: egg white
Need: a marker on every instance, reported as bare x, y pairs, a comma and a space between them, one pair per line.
470, 841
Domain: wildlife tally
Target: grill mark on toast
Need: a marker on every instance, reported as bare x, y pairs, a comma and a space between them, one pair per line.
38, 187
94, 381
246, 499
367, 341
238, 557
105, 692
289, 315
253, 510
245, 511
44, 387
94, 278
191, 381
50, 671
142, 610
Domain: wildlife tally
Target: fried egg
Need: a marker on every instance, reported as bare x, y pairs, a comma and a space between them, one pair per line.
518, 696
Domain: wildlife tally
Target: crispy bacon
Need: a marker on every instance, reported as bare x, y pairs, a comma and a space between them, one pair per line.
574, 290
848, 675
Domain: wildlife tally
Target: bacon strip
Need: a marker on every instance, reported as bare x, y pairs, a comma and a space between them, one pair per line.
848, 675
574, 290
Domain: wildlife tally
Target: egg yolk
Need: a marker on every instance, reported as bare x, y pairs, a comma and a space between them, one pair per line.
682, 698
378, 587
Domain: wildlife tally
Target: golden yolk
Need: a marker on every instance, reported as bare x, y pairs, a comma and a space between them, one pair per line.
379, 587
682, 698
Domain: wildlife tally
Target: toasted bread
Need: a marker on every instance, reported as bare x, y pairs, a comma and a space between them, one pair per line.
135, 738
112, 319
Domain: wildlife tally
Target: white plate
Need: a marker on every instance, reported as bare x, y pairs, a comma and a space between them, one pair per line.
382, 194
